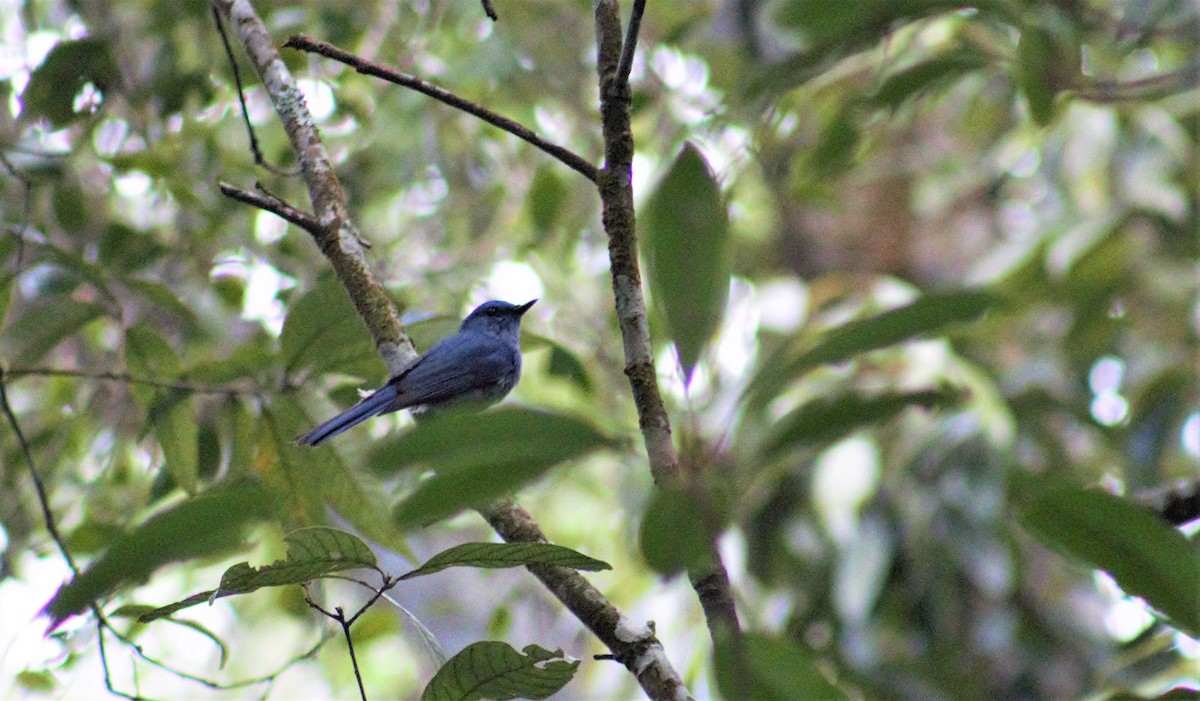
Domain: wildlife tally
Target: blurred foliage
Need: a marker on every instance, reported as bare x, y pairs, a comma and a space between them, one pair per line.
960, 246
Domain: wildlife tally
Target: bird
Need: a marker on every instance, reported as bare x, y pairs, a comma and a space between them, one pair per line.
477, 367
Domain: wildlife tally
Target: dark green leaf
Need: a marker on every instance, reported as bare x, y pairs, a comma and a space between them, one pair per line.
323, 331
315, 478
928, 75
688, 253
1047, 60
674, 535
148, 354
480, 456
312, 553
544, 199
458, 441
494, 670
565, 364
759, 667
67, 68
163, 297
76, 265
1143, 554
43, 326
929, 315
205, 525
497, 555
176, 429
827, 420
7, 284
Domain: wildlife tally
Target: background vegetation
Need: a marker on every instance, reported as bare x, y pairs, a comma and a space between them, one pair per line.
923, 291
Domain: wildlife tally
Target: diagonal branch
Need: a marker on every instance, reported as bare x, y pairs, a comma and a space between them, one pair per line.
635, 647
569, 158
337, 238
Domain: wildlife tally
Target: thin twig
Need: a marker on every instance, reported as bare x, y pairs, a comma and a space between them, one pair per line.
183, 385
1141, 90
241, 683
630, 45
274, 205
38, 484
339, 614
569, 158
241, 93
26, 207
104, 666
489, 10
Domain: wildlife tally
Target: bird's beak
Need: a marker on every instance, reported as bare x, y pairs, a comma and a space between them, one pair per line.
521, 309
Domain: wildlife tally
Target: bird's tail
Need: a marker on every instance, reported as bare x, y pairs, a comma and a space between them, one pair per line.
380, 402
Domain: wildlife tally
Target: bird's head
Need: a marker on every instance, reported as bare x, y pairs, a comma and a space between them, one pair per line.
497, 318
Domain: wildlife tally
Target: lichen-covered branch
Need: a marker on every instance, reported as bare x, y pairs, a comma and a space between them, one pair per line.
337, 237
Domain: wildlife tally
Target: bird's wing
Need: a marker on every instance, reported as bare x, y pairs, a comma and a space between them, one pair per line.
457, 367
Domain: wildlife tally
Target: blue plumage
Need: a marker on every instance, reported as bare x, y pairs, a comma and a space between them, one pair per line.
478, 365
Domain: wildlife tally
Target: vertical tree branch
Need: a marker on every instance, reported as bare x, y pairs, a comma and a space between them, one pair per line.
616, 195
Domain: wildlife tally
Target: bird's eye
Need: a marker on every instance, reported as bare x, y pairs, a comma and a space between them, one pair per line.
492, 312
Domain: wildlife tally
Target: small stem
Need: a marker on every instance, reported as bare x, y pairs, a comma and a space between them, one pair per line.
569, 158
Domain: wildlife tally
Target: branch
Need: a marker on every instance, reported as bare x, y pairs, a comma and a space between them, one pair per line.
616, 195
635, 647
38, 484
567, 157
184, 385
630, 45
1141, 90
337, 236
274, 205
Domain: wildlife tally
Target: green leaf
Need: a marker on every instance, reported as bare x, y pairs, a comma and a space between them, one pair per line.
40, 681
7, 284
44, 325
494, 670
312, 553
67, 68
768, 668
498, 555
827, 420
929, 315
687, 250
147, 353
323, 332
175, 428
565, 364
315, 478
480, 456
544, 200
1145, 556
673, 535
208, 524
931, 74
75, 264
163, 297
